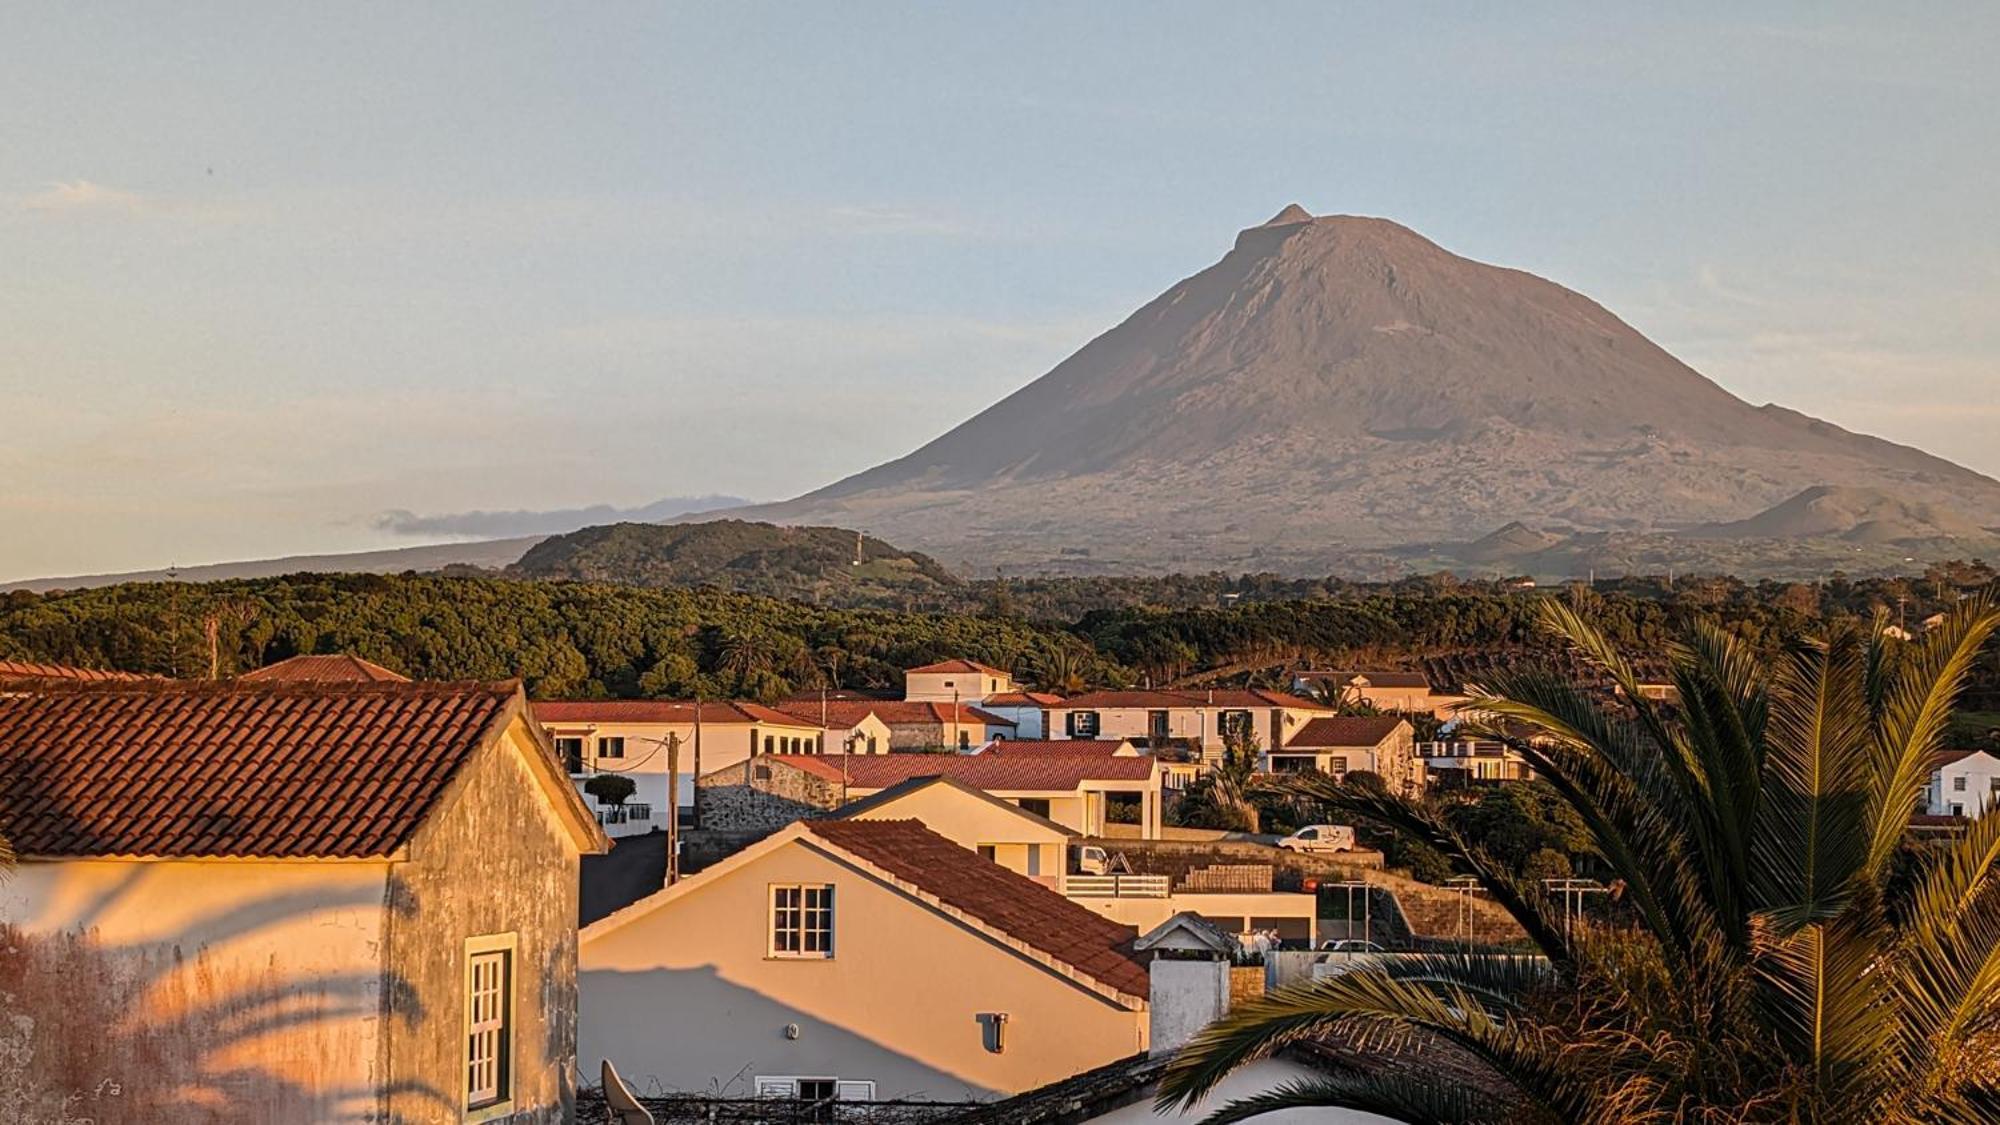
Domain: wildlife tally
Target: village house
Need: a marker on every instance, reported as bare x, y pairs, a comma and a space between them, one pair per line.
962, 681
851, 725
1405, 693
1201, 720
1081, 792
995, 830
1336, 744
287, 902
1177, 771
920, 727
1963, 783
1027, 710
329, 668
645, 739
862, 960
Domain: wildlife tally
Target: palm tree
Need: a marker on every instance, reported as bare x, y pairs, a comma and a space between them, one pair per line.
1789, 958
1063, 671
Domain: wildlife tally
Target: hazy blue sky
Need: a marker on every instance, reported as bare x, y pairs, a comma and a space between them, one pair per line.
267, 272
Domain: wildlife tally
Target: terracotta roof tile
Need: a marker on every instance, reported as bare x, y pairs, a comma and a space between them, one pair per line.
846, 713
963, 666
981, 771
1022, 699
176, 768
1343, 731
29, 670
332, 669
1024, 910
660, 711
1056, 748
1221, 698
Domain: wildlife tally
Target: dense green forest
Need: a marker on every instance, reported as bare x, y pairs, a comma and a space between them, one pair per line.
583, 638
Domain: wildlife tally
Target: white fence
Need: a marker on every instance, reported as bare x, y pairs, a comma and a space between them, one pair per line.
1117, 886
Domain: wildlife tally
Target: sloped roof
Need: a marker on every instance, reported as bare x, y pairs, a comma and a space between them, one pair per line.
1056, 747
30, 670
177, 768
1945, 758
895, 712
336, 668
962, 666
1022, 909
981, 771
1376, 678
1338, 731
1022, 699
902, 789
1220, 698
662, 711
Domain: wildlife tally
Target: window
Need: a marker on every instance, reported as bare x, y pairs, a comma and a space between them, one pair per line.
489, 1021
987, 852
770, 744
1337, 765
1037, 805
1233, 724
570, 750
1156, 726
1083, 724
1958, 784
1034, 859
871, 744
1957, 810
801, 920
611, 747
964, 739
815, 1093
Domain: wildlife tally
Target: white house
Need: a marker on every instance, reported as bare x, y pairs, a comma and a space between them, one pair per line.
1202, 719
966, 681
644, 738
1027, 710
1964, 783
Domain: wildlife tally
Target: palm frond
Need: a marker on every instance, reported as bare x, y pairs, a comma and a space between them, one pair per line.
1394, 1096
1809, 842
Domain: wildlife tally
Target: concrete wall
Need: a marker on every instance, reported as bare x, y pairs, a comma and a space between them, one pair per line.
685, 998
1187, 996
492, 859
756, 796
198, 990
1019, 844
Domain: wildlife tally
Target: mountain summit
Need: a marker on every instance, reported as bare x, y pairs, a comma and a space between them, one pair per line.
1338, 383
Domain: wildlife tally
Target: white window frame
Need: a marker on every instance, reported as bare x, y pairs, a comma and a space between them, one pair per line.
804, 911
787, 1086
479, 950
607, 740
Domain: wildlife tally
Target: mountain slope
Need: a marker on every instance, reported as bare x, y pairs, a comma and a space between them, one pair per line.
751, 558
1342, 384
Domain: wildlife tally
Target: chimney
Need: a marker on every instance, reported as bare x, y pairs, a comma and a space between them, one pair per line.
1187, 966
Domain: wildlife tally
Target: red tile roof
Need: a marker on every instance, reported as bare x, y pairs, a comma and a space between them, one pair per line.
1022, 909
29, 670
1230, 698
1343, 731
963, 666
177, 768
550, 711
1944, 758
1056, 747
1022, 699
1027, 772
334, 669
1375, 679
893, 712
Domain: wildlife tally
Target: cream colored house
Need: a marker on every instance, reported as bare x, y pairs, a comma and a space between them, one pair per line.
1406, 693
1201, 719
285, 902
965, 681
862, 959
1964, 783
1078, 792
995, 830
911, 726
641, 739
1336, 744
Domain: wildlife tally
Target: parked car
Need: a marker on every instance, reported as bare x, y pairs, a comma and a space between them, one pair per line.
1320, 838
1092, 860
1350, 945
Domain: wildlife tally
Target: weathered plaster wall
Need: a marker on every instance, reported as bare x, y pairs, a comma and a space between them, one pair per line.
686, 998
754, 796
492, 859
190, 991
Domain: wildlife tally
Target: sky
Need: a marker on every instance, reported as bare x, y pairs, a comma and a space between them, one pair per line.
296, 278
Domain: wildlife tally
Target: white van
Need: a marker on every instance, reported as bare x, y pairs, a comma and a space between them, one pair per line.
1320, 838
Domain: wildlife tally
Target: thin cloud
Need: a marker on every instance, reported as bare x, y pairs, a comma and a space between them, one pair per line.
551, 522
82, 196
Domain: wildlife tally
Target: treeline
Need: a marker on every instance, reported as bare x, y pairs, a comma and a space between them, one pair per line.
578, 638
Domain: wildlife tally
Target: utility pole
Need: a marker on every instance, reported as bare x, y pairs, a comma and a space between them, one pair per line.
674, 807
694, 816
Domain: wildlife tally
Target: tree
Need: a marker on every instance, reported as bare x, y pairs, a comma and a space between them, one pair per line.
1787, 958
611, 788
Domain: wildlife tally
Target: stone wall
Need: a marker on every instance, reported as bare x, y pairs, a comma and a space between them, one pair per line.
759, 795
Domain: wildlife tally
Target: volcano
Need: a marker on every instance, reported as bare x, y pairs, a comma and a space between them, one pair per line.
1342, 384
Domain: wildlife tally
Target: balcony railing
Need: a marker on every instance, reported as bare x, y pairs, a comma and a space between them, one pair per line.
1118, 886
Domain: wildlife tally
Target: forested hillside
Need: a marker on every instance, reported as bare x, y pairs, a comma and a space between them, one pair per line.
569, 638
